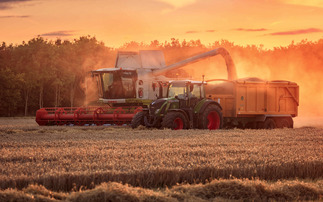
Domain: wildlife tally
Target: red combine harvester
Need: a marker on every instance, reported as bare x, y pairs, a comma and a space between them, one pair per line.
122, 90
136, 80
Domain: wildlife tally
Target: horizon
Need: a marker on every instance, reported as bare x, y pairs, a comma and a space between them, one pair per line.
162, 43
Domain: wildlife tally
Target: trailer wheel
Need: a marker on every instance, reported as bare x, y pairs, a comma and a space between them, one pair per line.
284, 122
138, 119
291, 122
269, 124
251, 125
174, 121
212, 118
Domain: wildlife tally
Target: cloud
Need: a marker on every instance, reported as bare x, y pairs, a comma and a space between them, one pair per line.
15, 16
192, 32
58, 33
7, 4
299, 31
251, 30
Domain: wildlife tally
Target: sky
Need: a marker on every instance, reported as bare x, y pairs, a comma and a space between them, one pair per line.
271, 23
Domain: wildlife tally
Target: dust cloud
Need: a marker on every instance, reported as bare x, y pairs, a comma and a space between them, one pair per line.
301, 63
91, 90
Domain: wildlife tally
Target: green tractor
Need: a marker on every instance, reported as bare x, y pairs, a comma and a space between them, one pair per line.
185, 107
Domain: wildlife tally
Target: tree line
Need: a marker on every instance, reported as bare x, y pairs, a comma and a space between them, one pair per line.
42, 73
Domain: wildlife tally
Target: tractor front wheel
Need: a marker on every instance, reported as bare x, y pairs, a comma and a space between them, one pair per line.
174, 121
211, 118
138, 119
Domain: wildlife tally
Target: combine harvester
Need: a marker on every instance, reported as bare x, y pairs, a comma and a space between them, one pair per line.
123, 91
138, 79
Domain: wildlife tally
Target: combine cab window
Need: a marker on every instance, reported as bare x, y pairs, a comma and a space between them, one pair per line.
119, 84
99, 84
128, 83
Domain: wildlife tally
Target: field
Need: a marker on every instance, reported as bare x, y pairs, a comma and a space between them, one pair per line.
118, 163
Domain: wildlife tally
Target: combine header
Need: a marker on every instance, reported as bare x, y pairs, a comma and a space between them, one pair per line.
86, 115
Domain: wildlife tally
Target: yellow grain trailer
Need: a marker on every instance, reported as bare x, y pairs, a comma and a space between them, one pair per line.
255, 103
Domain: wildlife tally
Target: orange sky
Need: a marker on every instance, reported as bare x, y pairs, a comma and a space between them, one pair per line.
268, 22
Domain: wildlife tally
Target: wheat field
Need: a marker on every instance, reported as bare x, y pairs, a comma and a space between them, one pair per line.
118, 163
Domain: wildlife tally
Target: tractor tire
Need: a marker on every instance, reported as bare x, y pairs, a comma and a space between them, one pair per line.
175, 121
269, 124
138, 120
211, 118
284, 122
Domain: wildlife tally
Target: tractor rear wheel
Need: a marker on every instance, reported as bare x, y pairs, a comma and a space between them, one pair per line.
174, 121
212, 118
138, 119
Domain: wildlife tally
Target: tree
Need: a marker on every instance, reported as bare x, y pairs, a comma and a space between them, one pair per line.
10, 91
34, 60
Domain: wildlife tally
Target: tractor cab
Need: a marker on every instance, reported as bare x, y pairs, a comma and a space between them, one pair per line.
187, 92
185, 89
184, 107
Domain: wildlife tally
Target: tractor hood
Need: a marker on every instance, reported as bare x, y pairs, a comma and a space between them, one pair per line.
157, 104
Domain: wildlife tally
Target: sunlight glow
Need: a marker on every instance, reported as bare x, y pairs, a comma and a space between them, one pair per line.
178, 3
314, 3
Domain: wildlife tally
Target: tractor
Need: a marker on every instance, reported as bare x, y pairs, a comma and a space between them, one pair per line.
185, 107
218, 103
